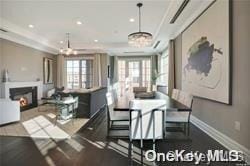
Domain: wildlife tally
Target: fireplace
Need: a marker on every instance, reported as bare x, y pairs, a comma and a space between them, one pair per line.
27, 96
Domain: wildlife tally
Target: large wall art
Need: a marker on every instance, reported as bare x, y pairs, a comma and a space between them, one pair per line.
206, 54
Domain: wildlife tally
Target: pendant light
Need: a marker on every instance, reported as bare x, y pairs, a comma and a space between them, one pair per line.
140, 39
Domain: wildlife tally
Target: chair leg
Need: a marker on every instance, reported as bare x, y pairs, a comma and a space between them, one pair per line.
188, 129
154, 148
108, 122
108, 127
130, 152
72, 119
185, 128
112, 123
141, 147
141, 156
56, 120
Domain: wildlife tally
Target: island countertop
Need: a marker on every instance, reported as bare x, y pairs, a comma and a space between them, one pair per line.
83, 90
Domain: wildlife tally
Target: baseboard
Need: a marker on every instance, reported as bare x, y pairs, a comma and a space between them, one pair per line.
220, 137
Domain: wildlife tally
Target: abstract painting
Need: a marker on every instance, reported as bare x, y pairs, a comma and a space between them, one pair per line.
206, 54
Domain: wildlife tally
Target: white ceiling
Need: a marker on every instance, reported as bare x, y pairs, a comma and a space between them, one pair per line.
107, 21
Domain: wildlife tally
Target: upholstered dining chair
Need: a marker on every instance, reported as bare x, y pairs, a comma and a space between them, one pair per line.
146, 122
139, 89
181, 117
115, 119
175, 94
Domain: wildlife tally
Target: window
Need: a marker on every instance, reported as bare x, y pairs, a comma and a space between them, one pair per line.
164, 68
134, 73
146, 73
79, 74
122, 74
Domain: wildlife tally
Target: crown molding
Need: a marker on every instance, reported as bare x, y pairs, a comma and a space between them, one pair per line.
195, 14
21, 36
28, 44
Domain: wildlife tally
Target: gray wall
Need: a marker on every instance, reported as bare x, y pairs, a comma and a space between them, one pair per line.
220, 116
104, 69
23, 63
1, 61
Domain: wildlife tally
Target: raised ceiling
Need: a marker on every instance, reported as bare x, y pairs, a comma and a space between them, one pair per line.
106, 21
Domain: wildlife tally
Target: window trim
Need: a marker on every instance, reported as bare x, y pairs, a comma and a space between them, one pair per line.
163, 55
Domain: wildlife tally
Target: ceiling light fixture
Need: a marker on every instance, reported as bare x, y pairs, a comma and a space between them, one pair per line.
61, 42
79, 23
131, 20
31, 26
140, 39
96, 40
68, 50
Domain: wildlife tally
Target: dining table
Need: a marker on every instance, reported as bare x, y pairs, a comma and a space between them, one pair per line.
122, 103
147, 116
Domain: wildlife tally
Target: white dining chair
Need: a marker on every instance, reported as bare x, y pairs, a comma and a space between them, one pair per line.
175, 94
181, 117
115, 116
181, 97
146, 121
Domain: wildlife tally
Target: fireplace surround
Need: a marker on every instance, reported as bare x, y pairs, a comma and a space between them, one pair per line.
27, 97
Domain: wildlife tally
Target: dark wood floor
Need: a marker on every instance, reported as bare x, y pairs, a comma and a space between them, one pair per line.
91, 147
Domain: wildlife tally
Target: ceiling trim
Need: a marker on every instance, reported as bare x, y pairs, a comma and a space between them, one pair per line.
163, 19
28, 44
196, 13
162, 45
24, 37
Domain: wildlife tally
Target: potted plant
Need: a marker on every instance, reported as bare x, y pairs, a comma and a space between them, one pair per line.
154, 78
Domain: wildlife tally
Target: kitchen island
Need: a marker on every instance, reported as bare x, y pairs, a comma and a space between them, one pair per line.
91, 101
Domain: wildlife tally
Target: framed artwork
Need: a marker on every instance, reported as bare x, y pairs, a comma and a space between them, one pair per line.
206, 54
48, 71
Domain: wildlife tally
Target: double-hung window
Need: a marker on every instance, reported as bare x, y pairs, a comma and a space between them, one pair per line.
79, 73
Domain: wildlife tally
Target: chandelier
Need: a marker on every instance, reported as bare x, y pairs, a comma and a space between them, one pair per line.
140, 39
68, 50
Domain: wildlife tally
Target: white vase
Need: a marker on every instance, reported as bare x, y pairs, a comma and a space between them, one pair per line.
6, 76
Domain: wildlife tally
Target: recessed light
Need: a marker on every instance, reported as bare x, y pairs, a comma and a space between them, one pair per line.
96, 40
78, 22
31, 26
131, 20
61, 42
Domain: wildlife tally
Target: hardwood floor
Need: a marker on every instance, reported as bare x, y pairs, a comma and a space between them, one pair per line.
90, 147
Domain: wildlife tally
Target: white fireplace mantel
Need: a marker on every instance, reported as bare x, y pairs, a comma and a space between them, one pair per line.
7, 85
